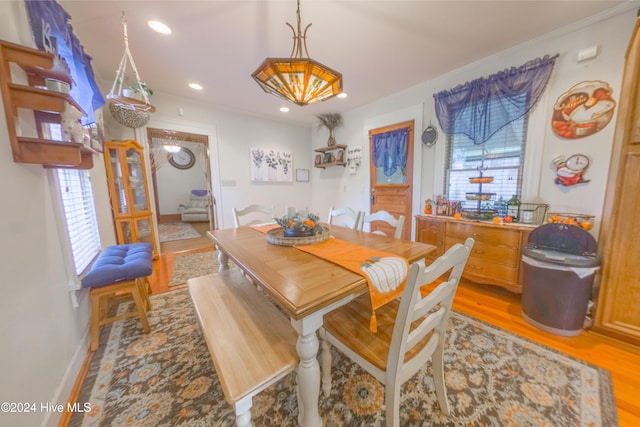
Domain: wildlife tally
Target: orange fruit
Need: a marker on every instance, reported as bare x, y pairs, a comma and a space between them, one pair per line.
586, 225
497, 220
457, 215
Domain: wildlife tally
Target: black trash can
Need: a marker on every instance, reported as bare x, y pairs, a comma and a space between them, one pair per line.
559, 264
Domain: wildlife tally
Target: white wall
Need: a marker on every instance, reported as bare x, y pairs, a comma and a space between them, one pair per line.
610, 33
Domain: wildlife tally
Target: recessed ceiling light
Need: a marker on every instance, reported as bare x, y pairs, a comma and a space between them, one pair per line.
342, 95
284, 109
195, 86
159, 27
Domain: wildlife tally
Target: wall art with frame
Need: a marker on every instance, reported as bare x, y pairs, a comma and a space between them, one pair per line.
271, 165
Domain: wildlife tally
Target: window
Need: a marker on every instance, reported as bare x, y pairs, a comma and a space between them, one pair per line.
76, 195
491, 112
80, 216
501, 157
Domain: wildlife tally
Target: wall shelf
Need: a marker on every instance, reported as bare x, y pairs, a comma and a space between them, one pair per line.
333, 162
38, 65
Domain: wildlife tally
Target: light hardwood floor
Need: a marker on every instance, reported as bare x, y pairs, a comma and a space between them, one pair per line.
497, 307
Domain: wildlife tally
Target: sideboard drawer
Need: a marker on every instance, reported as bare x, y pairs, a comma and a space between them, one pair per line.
498, 254
480, 269
484, 234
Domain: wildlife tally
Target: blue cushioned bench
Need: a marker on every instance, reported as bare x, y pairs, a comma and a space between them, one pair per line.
119, 269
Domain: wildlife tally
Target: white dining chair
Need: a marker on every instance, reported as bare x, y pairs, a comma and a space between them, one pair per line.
383, 216
258, 214
411, 331
348, 217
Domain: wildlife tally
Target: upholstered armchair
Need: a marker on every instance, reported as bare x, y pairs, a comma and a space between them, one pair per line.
198, 208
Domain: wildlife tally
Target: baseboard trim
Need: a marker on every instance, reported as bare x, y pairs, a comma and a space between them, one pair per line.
69, 388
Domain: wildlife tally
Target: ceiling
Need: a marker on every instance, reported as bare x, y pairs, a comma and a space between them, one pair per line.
380, 47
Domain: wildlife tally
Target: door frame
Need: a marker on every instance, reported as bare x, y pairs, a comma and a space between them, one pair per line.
415, 113
410, 124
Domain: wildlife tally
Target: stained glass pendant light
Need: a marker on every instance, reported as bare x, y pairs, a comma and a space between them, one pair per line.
298, 79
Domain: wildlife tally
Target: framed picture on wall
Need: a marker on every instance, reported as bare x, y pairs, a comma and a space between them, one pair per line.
328, 158
302, 175
271, 165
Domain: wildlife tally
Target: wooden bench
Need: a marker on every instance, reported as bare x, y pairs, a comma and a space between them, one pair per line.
252, 344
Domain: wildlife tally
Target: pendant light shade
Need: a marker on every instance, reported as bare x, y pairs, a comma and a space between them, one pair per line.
298, 79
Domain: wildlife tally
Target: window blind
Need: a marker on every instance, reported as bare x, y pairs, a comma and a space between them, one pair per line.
500, 157
80, 216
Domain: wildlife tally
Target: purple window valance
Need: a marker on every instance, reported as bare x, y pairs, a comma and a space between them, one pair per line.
389, 150
480, 108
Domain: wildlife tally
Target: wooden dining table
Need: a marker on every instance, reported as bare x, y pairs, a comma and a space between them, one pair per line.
305, 287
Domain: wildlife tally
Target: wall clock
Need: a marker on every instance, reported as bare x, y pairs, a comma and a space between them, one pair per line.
577, 162
571, 171
183, 159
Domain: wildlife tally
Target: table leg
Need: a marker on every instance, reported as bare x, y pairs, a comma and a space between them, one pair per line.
223, 260
325, 362
308, 373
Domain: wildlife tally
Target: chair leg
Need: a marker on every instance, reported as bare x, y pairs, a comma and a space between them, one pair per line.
145, 290
392, 403
94, 322
438, 378
140, 306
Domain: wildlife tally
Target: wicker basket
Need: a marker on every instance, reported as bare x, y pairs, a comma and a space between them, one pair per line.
277, 237
129, 117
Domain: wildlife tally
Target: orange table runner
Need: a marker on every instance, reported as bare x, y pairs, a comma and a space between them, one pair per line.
386, 273
264, 228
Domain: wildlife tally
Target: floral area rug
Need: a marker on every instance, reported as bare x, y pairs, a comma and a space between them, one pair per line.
493, 378
176, 231
194, 265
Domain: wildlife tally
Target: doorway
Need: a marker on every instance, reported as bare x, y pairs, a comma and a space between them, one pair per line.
181, 181
391, 166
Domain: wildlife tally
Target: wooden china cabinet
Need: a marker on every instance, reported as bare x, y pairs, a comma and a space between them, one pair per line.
129, 192
618, 305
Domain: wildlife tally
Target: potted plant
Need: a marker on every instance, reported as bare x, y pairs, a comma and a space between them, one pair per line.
136, 91
330, 121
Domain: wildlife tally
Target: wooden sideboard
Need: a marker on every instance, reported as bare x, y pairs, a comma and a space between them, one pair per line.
495, 258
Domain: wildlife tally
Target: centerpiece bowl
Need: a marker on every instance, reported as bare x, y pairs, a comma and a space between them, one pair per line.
298, 230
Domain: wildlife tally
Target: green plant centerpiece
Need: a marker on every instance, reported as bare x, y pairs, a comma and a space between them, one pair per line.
330, 121
300, 225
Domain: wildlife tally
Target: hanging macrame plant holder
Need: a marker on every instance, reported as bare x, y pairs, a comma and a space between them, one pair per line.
128, 111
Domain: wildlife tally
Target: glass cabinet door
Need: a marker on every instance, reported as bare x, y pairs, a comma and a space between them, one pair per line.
124, 232
136, 180
119, 193
144, 231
